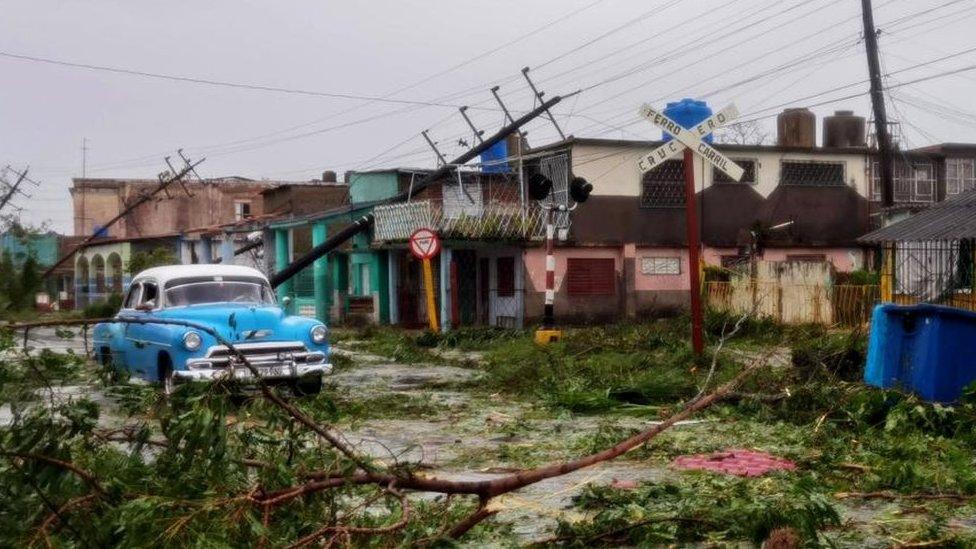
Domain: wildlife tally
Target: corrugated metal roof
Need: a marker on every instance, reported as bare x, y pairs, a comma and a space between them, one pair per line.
952, 219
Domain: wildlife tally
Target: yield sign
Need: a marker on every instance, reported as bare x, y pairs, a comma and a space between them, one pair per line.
424, 244
691, 138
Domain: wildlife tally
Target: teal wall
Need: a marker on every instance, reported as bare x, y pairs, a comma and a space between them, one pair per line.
43, 246
366, 187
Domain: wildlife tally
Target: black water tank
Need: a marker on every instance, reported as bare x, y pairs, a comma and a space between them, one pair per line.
329, 176
796, 128
844, 129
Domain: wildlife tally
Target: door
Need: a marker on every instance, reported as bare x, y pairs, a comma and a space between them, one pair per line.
484, 290
144, 341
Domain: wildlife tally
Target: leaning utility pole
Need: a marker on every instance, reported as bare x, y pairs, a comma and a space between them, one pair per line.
878, 105
366, 221
13, 188
166, 179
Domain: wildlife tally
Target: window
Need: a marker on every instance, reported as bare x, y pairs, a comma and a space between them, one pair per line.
664, 186
181, 292
150, 295
242, 210
748, 175
132, 298
960, 175
660, 265
914, 181
734, 261
586, 276
806, 258
820, 174
505, 276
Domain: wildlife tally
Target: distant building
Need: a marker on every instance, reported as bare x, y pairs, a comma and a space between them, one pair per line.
201, 222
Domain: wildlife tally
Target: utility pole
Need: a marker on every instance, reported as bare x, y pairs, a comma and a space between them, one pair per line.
165, 180
878, 105
13, 188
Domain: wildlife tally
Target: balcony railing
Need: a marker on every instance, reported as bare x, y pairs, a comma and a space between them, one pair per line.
488, 220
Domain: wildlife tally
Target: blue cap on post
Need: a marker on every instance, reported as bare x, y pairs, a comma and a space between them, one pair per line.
688, 113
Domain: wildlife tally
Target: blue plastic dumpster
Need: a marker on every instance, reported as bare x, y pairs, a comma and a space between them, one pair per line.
929, 350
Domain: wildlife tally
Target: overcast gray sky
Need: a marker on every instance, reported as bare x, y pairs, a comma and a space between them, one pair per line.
758, 53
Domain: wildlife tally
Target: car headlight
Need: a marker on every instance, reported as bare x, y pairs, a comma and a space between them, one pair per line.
319, 333
192, 341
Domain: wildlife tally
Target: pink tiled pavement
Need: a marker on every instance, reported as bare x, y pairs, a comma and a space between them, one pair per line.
741, 462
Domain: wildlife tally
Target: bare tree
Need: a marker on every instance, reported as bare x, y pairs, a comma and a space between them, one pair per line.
743, 133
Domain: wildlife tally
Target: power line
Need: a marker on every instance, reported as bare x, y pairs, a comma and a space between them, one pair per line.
222, 83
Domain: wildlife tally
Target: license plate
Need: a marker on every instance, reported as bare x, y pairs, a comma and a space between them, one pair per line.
265, 371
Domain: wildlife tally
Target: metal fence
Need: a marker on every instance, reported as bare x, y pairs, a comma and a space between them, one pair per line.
932, 272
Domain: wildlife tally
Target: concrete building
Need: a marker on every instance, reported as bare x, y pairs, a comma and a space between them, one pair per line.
205, 222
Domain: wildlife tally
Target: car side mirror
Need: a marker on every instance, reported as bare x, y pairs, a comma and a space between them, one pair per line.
286, 301
147, 306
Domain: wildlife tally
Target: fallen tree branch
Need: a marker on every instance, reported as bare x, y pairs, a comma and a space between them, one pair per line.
893, 495
487, 489
265, 389
78, 471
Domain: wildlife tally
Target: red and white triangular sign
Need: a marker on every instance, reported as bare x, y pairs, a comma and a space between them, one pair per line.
424, 244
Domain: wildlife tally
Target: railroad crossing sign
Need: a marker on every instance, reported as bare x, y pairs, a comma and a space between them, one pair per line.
690, 138
424, 244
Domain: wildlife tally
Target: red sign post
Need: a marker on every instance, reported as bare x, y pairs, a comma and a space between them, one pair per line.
692, 142
425, 245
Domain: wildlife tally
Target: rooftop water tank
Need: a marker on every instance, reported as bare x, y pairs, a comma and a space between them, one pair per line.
844, 129
494, 160
796, 128
688, 113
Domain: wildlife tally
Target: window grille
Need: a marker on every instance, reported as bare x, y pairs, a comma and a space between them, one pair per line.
806, 258
748, 173
819, 174
960, 175
664, 186
590, 276
660, 265
914, 181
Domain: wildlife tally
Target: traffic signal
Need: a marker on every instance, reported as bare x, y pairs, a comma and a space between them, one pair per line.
539, 186
579, 189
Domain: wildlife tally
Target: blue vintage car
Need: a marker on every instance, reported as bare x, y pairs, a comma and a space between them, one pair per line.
238, 303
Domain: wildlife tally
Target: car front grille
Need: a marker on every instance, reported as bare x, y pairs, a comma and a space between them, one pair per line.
264, 353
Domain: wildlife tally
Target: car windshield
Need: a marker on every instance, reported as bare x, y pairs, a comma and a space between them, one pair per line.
256, 291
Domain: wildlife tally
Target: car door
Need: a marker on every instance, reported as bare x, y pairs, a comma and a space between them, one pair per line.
123, 350
144, 341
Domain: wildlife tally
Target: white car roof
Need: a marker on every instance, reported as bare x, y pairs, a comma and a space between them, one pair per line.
170, 272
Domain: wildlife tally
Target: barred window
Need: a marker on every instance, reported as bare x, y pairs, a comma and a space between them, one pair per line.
660, 265
590, 276
914, 181
806, 258
664, 186
819, 174
748, 173
960, 175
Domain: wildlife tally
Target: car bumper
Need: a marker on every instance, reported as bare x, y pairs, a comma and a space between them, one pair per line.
279, 371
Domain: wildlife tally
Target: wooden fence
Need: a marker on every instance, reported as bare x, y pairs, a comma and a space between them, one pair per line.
826, 304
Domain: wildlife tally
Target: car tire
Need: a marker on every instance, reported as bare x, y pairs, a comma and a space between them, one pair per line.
165, 370
308, 385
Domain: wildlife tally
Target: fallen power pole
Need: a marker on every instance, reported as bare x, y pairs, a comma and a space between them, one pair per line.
365, 222
13, 188
878, 105
165, 180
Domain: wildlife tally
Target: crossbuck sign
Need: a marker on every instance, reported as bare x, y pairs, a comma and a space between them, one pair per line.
691, 138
